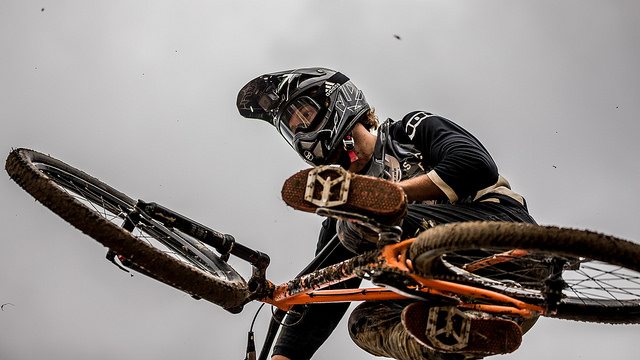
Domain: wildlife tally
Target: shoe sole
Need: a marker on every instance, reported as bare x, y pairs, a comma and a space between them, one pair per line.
334, 187
471, 336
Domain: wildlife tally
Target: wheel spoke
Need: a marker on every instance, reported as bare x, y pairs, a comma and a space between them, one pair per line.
590, 282
599, 281
111, 210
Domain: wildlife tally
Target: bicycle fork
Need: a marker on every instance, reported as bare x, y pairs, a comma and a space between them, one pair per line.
224, 244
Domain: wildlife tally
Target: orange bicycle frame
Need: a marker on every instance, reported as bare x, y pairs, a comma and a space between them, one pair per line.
311, 288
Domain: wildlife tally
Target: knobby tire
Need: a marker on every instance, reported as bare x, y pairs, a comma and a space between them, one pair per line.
230, 293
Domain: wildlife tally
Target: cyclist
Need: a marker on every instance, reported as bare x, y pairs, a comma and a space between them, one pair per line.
445, 172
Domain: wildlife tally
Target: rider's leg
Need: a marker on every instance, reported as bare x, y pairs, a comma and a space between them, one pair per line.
501, 208
379, 330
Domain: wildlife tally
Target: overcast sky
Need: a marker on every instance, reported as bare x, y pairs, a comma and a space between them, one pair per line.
142, 95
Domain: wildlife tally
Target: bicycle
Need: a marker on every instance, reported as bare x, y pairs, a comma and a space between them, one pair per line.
511, 270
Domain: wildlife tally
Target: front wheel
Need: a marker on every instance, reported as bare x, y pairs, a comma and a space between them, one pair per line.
110, 217
583, 275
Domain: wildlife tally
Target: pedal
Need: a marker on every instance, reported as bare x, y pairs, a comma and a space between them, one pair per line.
331, 186
325, 197
449, 329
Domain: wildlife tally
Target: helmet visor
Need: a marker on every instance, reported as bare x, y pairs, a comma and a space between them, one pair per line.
300, 116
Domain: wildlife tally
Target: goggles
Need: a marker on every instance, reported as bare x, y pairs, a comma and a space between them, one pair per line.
300, 116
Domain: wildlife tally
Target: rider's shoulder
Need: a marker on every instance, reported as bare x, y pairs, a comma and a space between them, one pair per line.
417, 118
413, 121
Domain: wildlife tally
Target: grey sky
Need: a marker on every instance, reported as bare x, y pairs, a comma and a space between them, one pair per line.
142, 95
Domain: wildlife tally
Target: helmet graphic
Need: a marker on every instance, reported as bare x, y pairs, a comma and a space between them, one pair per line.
314, 109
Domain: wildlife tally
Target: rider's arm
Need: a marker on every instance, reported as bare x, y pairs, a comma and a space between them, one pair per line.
457, 163
421, 188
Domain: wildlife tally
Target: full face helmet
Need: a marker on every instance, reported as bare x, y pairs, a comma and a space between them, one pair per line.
314, 109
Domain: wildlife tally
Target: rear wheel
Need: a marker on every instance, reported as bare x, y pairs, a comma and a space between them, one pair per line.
110, 217
597, 277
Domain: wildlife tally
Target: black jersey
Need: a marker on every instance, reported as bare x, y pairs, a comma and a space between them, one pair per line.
423, 143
